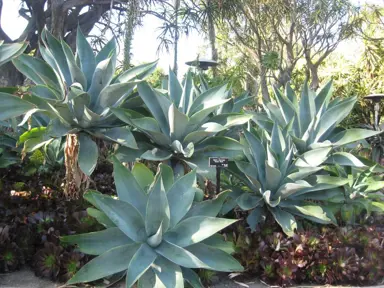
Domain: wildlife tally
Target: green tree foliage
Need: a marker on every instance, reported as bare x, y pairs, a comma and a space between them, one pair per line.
274, 36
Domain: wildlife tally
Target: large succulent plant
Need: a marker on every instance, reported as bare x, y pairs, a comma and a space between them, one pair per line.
185, 125
279, 183
362, 192
313, 121
77, 92
12, 136
154, 231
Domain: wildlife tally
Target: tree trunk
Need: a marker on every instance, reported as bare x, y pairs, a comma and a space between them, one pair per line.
129, 32
39, 17
76, 182
315, 81
313, 69
57, 18
285, 75
10, 76
263, 84
176, 36
252, 85
212, 36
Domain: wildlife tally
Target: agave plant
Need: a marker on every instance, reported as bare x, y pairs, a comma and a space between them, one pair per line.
52, 149
313, 121
362, 191
12, 136
154, 231
77, 92
54, 153
185, 124
279, 183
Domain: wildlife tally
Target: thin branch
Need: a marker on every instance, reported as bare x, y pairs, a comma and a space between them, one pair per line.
74, 3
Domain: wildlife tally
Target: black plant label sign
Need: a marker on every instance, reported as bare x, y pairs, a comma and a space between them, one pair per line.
218, 162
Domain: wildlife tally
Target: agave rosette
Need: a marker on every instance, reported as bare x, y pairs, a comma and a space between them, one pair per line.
154, 231
77, 92
278, 182
186, 125
9, 136
362, 192
313, 121
13, 135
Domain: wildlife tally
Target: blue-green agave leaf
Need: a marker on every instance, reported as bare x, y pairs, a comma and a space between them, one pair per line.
96, 243
140, 262
117, 258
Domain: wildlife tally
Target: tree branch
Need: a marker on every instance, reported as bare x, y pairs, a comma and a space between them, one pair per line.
75, 3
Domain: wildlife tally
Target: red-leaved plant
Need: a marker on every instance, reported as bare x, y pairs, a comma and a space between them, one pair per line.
330, 256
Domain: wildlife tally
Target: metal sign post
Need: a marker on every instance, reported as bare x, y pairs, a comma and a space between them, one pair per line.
218, 163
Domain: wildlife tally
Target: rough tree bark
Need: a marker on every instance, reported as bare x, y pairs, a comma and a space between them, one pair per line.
131, 20
212, 35
176, 36
313, 68
57, 18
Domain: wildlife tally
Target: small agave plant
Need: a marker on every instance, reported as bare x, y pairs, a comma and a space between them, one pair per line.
278, 183
185, 125
78, 91
313, 121
362, 192
154, 231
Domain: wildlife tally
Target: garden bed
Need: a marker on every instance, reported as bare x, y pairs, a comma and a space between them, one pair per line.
34, 217
295, 202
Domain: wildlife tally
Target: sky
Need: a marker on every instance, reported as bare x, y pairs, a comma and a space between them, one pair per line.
145, 40
144, 44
